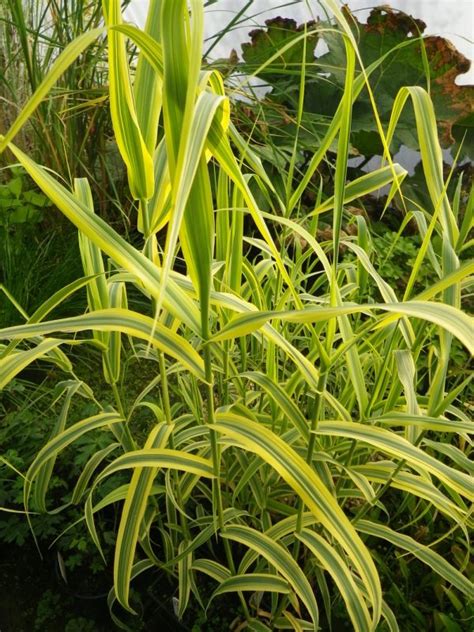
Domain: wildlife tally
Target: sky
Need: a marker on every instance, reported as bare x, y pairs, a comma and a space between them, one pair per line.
453, 19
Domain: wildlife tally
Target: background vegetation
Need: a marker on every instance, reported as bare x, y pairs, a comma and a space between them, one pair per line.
236, 387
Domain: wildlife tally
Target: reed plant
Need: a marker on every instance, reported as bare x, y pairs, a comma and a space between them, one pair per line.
288, 428
70, 132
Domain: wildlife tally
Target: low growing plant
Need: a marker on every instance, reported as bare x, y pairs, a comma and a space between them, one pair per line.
284, 448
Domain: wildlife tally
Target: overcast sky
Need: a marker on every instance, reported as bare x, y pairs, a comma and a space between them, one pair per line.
453, 19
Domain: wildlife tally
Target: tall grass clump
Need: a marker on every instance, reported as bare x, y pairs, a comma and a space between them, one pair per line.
291, 424
70, 132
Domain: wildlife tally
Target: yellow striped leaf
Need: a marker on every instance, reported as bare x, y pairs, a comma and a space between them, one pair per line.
310, 488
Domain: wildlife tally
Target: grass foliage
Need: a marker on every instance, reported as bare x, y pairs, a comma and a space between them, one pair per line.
297, 412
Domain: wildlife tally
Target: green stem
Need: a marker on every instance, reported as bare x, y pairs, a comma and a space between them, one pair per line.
315, 418
125, 438
164, 389
167, 410
215, 451
363, 510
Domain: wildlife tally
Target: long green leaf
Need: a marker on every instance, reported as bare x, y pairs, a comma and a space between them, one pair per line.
116, 319
421, 487
445, 316
255, 582
131, 144
437, 562
61, 441
157, 458
13, 363
309, 487
342, 577
147, 87
278, 557
132, 515
368, 183
43, 476
62, 63
436, 424
398, 446
111, 243
154, 458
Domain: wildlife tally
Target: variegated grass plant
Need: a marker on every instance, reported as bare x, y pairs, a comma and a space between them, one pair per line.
283, 409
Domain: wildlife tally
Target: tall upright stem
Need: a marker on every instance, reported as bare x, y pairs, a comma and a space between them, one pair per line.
315, 417
215, 451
